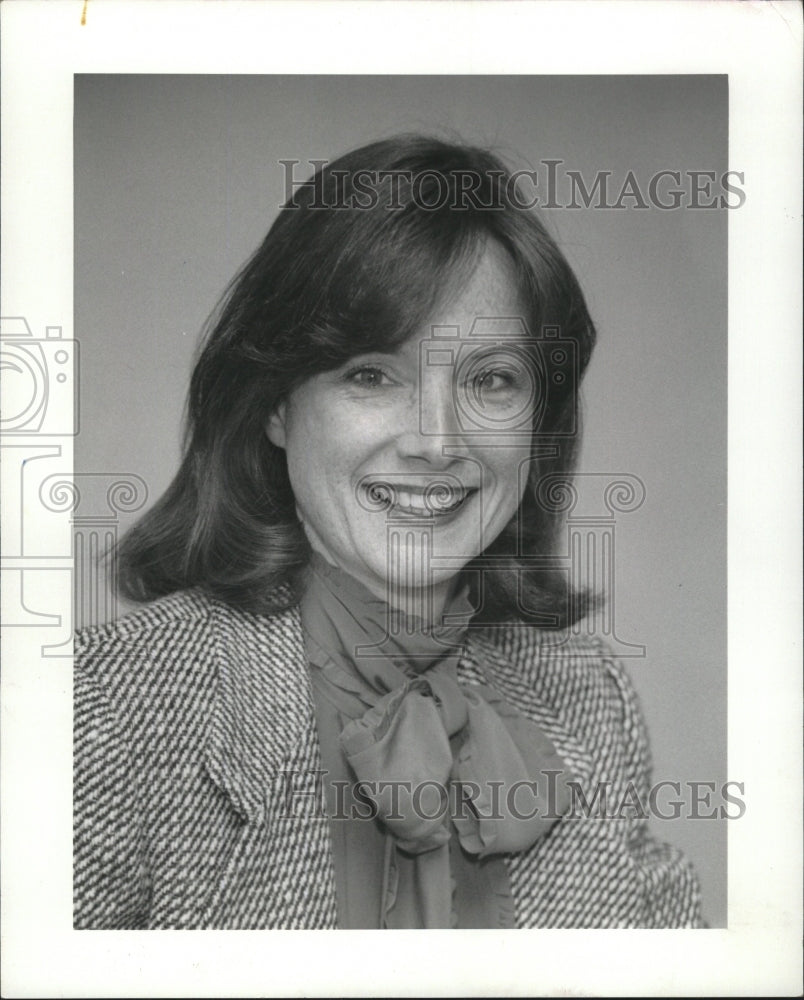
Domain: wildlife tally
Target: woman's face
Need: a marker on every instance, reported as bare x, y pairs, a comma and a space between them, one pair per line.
406, 465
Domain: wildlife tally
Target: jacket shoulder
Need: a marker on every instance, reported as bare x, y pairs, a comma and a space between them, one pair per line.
138, 669
572, 682
167, 657
558, 663
177, 610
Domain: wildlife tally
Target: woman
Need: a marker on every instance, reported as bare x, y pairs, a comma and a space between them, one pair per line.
350, 698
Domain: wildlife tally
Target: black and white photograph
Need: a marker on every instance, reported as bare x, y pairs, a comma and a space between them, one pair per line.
374, 517
385, 460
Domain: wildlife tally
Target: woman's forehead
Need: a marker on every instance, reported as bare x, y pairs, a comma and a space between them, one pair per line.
450, 346
489, 301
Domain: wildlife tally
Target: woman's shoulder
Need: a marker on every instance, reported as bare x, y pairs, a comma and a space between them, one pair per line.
190, 612
178, 609
570, 683
178, 639
562, 657
575, 675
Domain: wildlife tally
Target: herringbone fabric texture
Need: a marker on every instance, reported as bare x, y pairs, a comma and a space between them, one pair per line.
197, 777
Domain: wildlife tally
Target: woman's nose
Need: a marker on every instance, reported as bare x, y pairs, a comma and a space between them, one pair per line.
435, 421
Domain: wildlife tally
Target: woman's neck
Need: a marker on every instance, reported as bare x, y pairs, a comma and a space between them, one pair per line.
426, 604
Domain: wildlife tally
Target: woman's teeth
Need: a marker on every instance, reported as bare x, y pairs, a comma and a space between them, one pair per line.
423, 504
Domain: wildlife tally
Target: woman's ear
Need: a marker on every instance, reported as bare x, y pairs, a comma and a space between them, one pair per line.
275, 428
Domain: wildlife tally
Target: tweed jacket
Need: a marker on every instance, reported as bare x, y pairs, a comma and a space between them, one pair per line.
197, 772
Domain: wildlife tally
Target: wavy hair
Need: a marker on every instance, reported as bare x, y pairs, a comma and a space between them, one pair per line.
355, 262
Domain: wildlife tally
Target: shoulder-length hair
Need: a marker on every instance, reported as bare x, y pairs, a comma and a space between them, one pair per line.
355, 262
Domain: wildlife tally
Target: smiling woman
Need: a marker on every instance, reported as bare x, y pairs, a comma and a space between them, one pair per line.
351, 697
387, 426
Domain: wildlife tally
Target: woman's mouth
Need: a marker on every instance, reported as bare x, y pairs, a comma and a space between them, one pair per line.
439, 499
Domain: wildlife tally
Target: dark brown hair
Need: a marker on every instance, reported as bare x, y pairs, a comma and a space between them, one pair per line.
355, 262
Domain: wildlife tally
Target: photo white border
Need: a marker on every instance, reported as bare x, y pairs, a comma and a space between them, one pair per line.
759, 47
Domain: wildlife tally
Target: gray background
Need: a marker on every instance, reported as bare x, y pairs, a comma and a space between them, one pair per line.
176, 181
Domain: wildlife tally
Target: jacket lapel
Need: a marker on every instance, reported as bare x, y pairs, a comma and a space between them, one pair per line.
262, 751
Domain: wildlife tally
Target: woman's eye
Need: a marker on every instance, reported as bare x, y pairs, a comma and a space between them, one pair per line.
368, 377
493, 380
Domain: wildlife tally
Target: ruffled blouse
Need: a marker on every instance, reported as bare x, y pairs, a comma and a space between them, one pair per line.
430, 783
